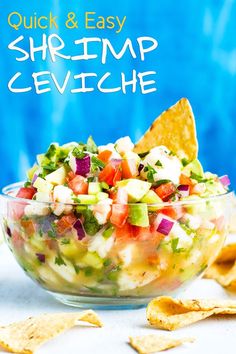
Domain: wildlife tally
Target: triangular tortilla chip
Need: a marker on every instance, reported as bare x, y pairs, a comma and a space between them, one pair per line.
175, 129
153, 343
224, 268
25, 337
168, 313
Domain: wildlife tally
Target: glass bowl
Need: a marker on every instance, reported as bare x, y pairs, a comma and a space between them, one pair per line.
109, 266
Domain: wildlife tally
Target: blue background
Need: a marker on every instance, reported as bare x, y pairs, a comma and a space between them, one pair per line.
196, 58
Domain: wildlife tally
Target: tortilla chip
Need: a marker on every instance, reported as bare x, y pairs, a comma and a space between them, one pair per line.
175, 129
168, 313
25, 337
155, 343
224, 268
227, 254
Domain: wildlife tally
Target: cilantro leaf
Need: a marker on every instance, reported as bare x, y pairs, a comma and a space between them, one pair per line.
65, 241
90, 224
52, 233
161, 181
77, 268
143, 154
96, 164
150, 172
186, 228
198, 178
158, 163
78, 152
88, 271
174, 245
27, 184
59, 260
185, 162
107, 262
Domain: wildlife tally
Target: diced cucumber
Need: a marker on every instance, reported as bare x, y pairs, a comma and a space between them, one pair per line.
57, 177
151, 198
92, 259
138, 215
40, 158
72, 249
38, 244
42, 185
94, 188
31, 172
135, 188
86, 199
195, 167
102, 196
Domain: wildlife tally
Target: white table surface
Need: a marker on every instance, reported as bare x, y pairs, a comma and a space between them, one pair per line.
21, 298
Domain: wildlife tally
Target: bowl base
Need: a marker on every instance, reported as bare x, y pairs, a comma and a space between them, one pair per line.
101, 303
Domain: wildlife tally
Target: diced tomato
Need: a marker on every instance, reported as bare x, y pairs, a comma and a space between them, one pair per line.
51, 244
17, 240
65, 223
117, 176
125, 232
119, 214
143, 234
165, 190
78, 185
148, 233
107, 174
70, 176
173, 212
105, 155
29, 227
110, 174
153, 259
26, 192
185, 180
129, 168
17, 210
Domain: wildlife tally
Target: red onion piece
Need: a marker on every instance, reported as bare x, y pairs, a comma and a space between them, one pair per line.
165, 226
141, 166
79, 228
34, 178
41, 257
183, 190
80, 166
8, 231
225, 180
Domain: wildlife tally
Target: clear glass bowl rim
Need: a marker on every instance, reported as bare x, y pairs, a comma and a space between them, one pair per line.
14, 186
